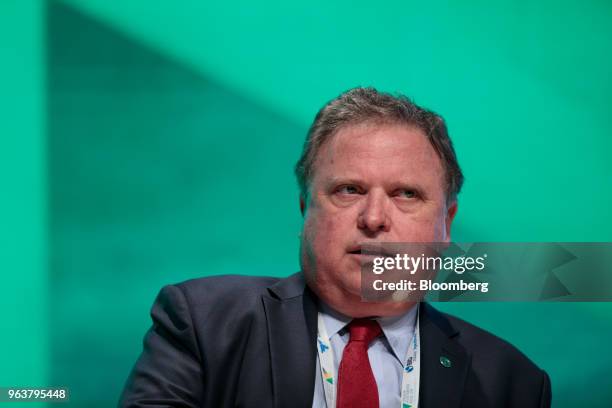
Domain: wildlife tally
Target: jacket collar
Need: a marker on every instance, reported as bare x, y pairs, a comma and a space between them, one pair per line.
289, 287
444, 361
291, 315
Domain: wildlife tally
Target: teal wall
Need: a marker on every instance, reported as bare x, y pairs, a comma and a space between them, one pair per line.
24, 275
151, 142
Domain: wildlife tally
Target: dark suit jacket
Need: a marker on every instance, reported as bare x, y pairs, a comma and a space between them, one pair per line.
240, 341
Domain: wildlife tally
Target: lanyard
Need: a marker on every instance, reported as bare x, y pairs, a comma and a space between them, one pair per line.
410, 372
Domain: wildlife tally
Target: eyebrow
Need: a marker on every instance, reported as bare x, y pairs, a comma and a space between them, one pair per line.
342, 180
335, 181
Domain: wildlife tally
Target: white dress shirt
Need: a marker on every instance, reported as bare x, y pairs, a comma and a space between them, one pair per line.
387, 353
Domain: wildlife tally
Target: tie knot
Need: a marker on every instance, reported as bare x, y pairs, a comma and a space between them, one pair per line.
364, 330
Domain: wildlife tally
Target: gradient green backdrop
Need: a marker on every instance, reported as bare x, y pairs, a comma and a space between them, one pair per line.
148, 142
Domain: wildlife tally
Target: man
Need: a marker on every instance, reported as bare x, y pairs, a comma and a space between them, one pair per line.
375, 168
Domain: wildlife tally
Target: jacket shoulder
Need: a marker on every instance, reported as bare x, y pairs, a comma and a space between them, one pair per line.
226, 287
486, 346
500, 369
226, 306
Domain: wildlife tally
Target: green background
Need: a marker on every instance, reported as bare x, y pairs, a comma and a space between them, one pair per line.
144, 143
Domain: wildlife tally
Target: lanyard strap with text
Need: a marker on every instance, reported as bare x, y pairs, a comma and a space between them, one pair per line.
410, 372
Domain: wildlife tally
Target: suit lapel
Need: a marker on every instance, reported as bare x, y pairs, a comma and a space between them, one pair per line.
291, 315
444, 362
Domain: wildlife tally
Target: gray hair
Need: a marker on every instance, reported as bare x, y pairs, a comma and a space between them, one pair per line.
367, 105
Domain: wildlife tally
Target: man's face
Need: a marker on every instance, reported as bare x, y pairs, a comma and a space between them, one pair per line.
371, 183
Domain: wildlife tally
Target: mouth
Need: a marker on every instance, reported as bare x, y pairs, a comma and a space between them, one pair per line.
370, 250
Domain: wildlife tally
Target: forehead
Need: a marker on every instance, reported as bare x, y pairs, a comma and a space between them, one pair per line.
380, 151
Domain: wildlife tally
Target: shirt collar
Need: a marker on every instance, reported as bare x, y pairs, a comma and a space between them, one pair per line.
398, 330
334, 321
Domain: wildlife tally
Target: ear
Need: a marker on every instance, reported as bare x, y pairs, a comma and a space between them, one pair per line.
302, 205
451, 211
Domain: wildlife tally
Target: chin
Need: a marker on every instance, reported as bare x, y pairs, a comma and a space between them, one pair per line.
352, 286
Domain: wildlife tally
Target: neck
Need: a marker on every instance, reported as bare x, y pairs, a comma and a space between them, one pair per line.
352, 306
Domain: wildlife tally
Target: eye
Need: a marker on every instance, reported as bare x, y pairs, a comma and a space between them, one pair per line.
406, 193
348, 190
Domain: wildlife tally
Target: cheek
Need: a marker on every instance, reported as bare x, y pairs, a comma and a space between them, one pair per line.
326, 235
424, 228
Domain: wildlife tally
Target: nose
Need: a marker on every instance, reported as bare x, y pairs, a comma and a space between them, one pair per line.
373, 216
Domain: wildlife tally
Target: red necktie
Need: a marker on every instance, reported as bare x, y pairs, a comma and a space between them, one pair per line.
356, 384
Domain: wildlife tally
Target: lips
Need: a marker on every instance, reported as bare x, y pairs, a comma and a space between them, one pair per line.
371, 249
